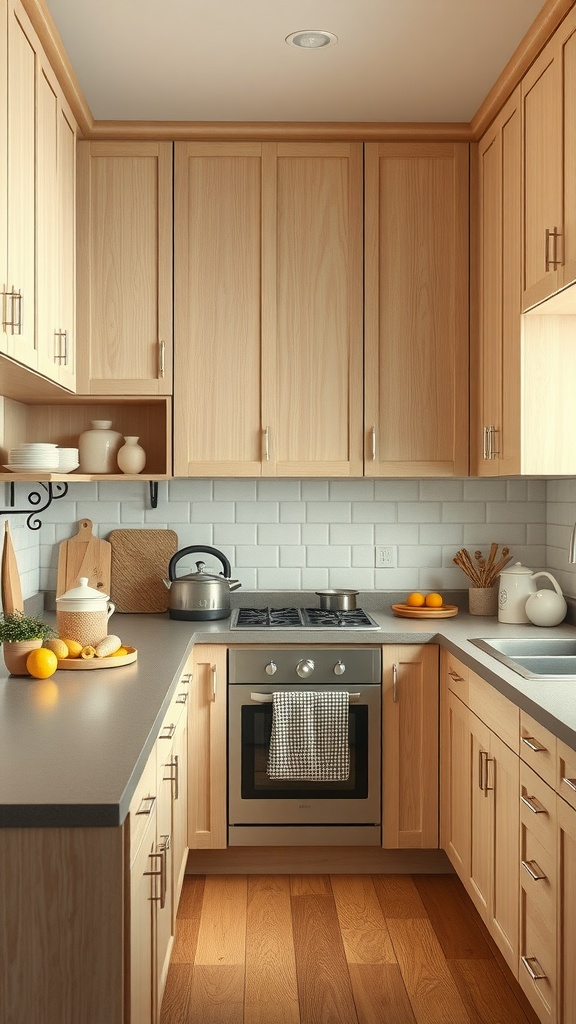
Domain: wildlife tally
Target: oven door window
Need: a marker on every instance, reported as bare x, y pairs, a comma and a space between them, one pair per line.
256, 784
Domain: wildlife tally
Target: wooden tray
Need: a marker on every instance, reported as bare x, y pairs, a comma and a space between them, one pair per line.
81, 663
407, 612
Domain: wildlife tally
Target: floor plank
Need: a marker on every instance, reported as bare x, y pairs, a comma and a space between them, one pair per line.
271, 990
188, 921
310, 885
177, 994
453, 918
362, 924
485, 993
380, 995
222, 932
216, 995
398, 896
431, 988
324, 988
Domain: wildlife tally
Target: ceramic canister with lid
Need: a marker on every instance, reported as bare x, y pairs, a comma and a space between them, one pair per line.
82, 614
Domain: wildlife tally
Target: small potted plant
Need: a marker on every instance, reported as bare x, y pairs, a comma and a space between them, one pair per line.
20, 634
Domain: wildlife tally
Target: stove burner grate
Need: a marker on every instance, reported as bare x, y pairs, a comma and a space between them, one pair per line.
301, 618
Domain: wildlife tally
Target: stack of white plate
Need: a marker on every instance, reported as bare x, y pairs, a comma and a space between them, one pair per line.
67, 460
29, 458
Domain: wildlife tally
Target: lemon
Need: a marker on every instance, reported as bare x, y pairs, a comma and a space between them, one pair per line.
434, 600
415, 600
74, 648
119, 653
41, 663
58, 646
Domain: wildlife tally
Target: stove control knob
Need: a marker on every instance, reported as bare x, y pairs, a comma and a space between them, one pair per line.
305, 668
271, 668
339, 668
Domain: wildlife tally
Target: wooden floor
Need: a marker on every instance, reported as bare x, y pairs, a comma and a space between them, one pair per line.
335, 949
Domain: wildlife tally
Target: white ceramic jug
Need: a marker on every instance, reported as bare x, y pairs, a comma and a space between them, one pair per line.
517, 584
546, 607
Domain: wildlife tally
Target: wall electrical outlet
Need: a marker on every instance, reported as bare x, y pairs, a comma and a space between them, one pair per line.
385, 556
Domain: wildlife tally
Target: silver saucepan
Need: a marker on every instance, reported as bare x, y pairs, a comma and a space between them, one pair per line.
337, 600
200, 595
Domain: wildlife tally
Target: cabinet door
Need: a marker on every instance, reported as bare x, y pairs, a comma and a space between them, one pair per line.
125, 268
179, 772
504, 766
568, 35
164, 852
207, 756
495, 448
47, 264
566, 904
312, 309
410, 747
3, 175
416, 309
455, 790
143, 886
543, 177
19, 316
217, 309
66, 324
481, 817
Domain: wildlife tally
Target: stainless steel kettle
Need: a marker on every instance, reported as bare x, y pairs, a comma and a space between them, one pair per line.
200, 595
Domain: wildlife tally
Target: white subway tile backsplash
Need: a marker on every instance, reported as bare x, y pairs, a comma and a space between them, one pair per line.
288, 533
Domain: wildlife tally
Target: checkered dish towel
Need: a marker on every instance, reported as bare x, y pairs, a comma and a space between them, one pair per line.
309, 736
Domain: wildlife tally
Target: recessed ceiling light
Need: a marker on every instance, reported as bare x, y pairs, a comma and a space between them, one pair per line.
311, 39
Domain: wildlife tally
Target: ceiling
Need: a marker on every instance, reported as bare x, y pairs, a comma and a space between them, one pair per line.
220, 60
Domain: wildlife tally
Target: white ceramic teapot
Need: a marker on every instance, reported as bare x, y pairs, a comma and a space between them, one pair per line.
546, 607
517, 584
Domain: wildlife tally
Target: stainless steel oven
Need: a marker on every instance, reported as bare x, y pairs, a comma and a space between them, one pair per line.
294, 812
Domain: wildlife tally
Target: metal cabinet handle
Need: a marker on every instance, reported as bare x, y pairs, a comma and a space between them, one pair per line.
181, 698
266, 698
551, 262
61, 357
373, 450
571, 783
394, 683
485, 443
161, 358
494, 451
533, 804
533, 744
147, 805
157, 855
167, 732
174, 778
12, 322
535, 972
267, 444
454, 675
485, 760
214, 672
17, 320
533, 869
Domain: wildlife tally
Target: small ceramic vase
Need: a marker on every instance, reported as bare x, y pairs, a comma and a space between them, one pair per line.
98, 448
131, 457
15, 655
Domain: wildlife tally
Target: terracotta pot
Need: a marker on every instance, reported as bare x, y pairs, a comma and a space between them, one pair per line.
15, 655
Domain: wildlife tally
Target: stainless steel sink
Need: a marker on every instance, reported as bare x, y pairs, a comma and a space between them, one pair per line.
534, 657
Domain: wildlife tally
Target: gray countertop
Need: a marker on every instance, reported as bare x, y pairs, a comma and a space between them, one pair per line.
72, 747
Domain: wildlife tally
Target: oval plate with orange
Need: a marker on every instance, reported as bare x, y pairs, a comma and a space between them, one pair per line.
406, 611
82, 663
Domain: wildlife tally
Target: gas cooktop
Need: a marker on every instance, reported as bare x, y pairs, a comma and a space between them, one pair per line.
300, 618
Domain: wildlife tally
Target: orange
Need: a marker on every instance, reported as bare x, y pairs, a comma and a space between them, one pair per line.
415, 600
434, 600
41, 663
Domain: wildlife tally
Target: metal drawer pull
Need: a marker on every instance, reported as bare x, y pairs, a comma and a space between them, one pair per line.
395, 684
485, 443
266, 698
161, 358
173, 778
373, 433
485, 760
267, 444
536, 972
571, 783
167, 732
157, 874
533, 744
454, 675
181, 698
214, 682
534, 804
533, 869
147, 805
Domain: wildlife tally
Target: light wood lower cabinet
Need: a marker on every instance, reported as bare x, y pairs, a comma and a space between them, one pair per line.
479, 800
207, 755
566, 926
410, 746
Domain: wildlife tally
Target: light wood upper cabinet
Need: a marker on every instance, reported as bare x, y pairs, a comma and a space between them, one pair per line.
495, 447
410, 746
549, 108
125, 268
5, 338
416, 322
268, 309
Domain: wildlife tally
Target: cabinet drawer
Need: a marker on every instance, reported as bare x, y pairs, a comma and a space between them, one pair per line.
496, 711
538, 748
177, 706
566, 773
538, 875
457, 676
537, 807
142, 805
537, 971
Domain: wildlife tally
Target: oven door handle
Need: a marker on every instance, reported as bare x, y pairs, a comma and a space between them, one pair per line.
266, 698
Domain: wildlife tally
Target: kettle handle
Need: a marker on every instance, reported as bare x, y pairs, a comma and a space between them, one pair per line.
203, 549
549, 576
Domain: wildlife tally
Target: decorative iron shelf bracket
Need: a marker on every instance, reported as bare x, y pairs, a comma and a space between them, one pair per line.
53, 491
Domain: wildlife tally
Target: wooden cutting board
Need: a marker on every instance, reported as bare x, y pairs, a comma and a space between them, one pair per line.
11, 589
84, 555
139, 564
